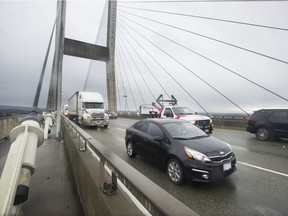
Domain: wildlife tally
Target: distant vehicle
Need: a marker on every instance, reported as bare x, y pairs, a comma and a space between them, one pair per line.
268, 124
182, 148
87, 108
148, 110
182, 112
65, 110
112, 115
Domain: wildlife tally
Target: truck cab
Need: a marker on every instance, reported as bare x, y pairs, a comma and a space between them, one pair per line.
87, 108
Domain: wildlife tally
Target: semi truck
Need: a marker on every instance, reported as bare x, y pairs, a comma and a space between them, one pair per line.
87, 109
172, 110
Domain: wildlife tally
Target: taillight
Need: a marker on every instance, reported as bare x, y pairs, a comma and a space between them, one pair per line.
250, 119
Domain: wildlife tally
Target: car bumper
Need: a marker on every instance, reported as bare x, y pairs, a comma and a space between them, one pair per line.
210, 172
250, 129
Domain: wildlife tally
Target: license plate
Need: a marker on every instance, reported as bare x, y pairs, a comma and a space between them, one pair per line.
227, 166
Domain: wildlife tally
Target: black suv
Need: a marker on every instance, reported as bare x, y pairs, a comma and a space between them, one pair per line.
269, 123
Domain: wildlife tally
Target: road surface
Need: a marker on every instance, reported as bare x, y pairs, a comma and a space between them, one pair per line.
259, 187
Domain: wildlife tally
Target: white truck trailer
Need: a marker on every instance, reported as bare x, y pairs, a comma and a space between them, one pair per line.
148, 110
87, 108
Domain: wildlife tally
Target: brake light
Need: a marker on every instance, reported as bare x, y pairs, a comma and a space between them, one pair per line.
250, 119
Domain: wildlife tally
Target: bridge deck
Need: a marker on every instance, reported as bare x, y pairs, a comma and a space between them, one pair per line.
52, 187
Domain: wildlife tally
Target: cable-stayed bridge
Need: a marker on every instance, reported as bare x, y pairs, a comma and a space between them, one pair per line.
211, 61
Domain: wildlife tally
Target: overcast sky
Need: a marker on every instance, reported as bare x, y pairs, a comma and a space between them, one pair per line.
25, 28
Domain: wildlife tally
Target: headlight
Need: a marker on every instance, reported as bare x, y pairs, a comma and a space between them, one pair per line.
195, 154
106, 116
87, 117
193, 122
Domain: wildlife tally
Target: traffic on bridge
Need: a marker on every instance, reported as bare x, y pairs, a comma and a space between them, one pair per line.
110, 62
259, 187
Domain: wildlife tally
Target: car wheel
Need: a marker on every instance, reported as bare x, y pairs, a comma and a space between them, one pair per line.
130, 149
175, 171
263, 134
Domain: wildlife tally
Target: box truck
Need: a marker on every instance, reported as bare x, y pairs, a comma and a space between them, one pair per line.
87, 109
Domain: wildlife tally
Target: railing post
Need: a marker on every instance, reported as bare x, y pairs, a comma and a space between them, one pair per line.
20, 164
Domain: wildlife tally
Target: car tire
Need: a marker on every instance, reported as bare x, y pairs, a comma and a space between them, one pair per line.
175, 172
130, 149
263, 134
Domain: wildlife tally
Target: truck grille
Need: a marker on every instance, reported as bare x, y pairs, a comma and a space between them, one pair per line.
203, 122
97, 116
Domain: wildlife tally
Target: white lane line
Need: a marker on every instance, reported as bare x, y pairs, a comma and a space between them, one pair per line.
261, 168
121, 129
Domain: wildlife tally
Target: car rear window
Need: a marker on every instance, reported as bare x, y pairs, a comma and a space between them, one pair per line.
261, 115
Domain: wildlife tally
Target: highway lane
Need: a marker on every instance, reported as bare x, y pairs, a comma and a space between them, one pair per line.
259, 187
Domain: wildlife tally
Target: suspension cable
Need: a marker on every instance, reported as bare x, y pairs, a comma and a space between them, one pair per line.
121, 80
148, 70
192, 72
40, 82
138, 68
208, 18
125, 73
207, 37
167, 71
208, 59
201, 1
124, 55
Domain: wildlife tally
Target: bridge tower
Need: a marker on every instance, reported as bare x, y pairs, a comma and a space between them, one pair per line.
67, 46
110, 65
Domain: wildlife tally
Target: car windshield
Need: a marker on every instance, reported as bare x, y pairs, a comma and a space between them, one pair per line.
184, 130
182, 111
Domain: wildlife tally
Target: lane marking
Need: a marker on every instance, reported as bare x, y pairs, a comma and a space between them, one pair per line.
121, 129
261, 168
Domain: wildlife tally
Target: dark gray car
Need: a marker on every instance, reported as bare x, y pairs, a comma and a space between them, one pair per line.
183, 149
269, 123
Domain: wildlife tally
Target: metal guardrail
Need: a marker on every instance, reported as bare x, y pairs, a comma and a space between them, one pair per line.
156, 200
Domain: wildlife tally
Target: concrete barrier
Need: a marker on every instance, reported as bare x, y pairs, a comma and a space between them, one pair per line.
230, 122
221, 121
